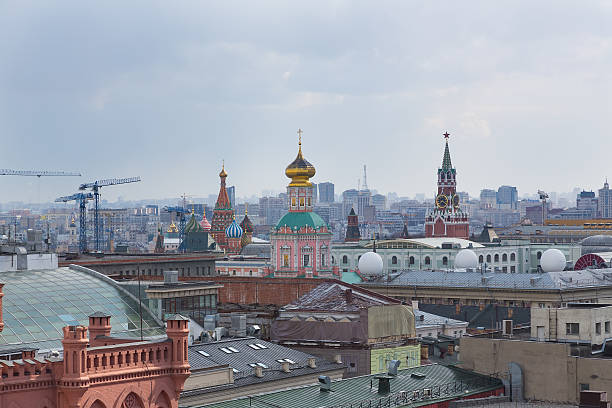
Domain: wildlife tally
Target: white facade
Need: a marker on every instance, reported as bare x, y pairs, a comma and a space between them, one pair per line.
584, 323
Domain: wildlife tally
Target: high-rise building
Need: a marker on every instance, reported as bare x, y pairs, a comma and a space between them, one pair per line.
507, 198
488, 198
271, 209
586, 202
326, 192
604, 202
447, 219
315, 193
231, 193
379, 201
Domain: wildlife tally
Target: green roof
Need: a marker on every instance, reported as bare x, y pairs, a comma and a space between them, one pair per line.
297, 220
448, 382
351, 277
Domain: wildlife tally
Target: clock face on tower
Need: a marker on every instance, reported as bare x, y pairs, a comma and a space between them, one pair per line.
455, 201
441, 201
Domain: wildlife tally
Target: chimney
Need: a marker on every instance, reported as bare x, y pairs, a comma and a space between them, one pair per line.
324, 383
337, 359
1, 294
99, 327
177, 330
384, 385
349, 295
285, 367
258, 371
312, 363
415, 305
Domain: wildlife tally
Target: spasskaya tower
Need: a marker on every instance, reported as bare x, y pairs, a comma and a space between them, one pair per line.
447, 219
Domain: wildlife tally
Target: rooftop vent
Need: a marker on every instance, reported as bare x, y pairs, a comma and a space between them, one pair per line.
422, 317
392, 367
418, 375
534, 280
312, 363
384, 384
324, 383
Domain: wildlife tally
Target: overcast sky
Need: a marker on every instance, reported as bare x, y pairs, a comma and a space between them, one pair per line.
167, 90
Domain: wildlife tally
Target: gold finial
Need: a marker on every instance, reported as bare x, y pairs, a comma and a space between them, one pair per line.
300, 131
223, 172
246, 209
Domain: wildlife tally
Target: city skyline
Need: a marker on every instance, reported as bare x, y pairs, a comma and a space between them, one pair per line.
366, 85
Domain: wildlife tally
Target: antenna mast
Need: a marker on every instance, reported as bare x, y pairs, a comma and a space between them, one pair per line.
365, 178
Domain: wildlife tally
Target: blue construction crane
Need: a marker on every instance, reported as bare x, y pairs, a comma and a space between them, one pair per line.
82, 199
95, 188
180, 213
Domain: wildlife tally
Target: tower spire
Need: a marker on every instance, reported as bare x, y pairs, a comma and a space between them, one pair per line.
446, 161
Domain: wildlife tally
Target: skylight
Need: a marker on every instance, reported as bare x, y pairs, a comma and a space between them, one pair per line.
205, 354
233, 350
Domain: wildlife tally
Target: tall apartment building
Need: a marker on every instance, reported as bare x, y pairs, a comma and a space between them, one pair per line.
326, 192
231, 193
604, 202
586, 202
272, 208
488, 198
507, 198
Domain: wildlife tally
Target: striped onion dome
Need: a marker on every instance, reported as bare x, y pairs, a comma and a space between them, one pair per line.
205, 224
233, 230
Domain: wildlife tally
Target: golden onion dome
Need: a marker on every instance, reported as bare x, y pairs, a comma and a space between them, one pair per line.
300, 170
223, 172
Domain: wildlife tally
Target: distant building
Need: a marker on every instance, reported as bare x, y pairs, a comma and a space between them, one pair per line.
231, 193
604, 202
379, 201
326, 192
586, 203
271, 209
315, 193
488, 198
507, 197
352, 230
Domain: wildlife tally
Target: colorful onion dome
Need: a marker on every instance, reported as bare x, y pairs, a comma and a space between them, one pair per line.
246, 224
233, 230
193, 225
300, 171
205, 224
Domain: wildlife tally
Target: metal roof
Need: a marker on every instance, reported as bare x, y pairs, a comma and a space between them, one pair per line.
551, 280
407, 389
430, 319
239, 353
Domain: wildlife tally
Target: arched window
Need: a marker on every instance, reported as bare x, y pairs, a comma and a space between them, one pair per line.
345, 259
489, 258
427, 261
539, 254
496, 257
444, 260
411, 260
333, 260
505, 258
394, 260
480, 259
513, 256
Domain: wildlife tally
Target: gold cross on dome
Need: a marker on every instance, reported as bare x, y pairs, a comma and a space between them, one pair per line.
299, 132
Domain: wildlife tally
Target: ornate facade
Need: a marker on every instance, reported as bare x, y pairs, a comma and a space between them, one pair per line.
447, 219
99, 371
222, 216
301, 239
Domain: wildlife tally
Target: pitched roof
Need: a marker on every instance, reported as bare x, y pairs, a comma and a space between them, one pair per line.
332, 296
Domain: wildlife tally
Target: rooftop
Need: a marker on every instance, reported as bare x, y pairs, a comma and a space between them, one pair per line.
243, 354
424, 319
407, 389
37, 304
332, 297
550, 280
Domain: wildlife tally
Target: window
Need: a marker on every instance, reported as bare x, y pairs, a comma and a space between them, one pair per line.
233, 350
513, 269
512, 257
345, 259
205, 354
285, 360
394, 260
250, 273
584, 387
306, 260
496, 257
607, 327
572, 328
539, 255
480, 259
445, 260
505, 269
427, 261
489, 258
411, 260
597, 328
261, 346
286, 260
505, 258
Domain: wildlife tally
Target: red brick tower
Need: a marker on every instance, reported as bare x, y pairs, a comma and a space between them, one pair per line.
447, 219
223, 214
352, 229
